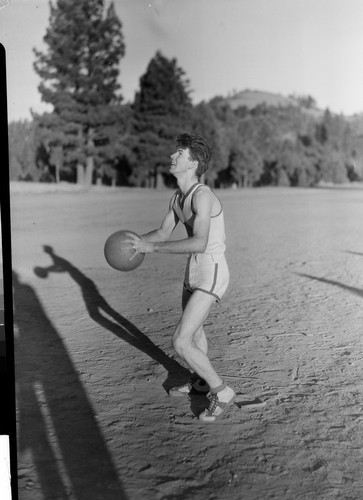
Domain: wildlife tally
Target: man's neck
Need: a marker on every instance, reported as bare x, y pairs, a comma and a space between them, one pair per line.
186, 182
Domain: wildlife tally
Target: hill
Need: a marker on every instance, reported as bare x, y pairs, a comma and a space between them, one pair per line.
356, 121
253, 98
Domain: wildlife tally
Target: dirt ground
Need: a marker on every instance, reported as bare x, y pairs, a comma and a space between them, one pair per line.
94, 360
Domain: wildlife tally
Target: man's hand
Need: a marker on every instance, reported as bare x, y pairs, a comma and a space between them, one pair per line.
139, 245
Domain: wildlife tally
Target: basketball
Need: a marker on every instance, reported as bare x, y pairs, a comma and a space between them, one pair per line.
118, 253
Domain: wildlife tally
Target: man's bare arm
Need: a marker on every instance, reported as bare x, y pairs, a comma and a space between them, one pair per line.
195, 244
164, 232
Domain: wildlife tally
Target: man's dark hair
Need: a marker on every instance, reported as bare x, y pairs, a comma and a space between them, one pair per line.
199, 149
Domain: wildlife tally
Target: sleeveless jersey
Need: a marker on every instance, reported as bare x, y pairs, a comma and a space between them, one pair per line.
183, 208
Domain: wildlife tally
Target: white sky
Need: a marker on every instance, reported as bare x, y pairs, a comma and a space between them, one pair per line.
306, 47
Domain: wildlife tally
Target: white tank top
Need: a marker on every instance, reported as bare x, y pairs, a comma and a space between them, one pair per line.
183, 208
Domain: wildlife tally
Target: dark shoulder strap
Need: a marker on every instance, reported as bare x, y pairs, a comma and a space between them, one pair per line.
173, 199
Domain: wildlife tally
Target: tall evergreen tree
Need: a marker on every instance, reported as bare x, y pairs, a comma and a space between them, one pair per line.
162, 110
79, 74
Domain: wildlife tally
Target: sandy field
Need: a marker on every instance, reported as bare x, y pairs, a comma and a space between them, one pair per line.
94, 360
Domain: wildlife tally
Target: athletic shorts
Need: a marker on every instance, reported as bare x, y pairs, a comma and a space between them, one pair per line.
208, 273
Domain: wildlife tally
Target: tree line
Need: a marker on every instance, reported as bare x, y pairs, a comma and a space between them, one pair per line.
91, 136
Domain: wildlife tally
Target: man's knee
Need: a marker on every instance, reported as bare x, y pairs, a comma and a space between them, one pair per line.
177, 344
180, 345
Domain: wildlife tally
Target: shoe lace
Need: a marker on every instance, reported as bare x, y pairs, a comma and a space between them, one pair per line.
213, 398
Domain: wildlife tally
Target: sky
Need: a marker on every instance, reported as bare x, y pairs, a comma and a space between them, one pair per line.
302, 47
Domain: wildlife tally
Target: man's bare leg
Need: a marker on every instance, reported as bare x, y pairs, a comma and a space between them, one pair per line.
195, 382
195, 313
199, 339
187, 346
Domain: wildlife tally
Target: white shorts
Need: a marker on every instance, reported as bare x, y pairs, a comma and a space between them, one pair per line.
208, 273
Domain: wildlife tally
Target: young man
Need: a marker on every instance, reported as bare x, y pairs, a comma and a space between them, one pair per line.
206, 276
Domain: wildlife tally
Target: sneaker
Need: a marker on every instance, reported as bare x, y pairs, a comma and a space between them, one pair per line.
194, 383
218, 404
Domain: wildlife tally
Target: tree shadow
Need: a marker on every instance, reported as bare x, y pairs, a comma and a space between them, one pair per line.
351, 289
56, 422
354, 253
120, 326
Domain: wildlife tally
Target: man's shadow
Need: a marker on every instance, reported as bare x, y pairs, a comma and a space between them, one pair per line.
98, 307
56, 421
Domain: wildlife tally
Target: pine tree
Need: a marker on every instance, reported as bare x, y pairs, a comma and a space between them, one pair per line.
79, 75
162, 110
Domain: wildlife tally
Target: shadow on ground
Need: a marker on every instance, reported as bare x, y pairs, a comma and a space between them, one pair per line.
351, 289
56, 423
115, 323
355, 253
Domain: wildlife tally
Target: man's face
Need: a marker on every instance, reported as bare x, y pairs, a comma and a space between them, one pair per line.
181, 161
